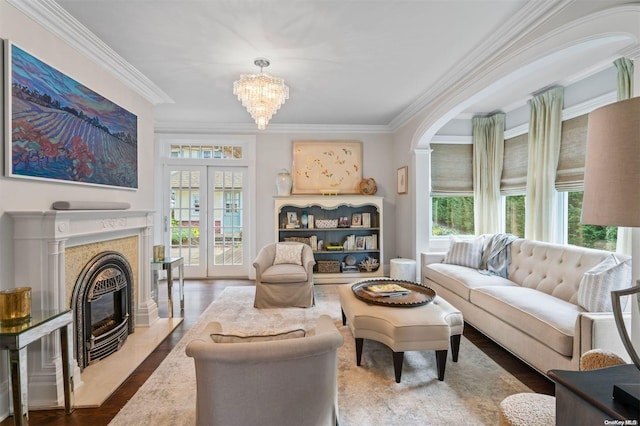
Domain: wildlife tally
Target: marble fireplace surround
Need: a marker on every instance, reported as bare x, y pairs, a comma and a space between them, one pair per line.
41, 239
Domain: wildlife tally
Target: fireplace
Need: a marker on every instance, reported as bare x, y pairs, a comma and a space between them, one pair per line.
58, 246
102, 304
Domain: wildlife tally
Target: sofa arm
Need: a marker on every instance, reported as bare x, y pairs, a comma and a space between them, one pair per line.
432, 257
598, 330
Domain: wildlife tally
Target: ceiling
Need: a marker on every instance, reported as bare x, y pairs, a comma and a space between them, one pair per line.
346, 62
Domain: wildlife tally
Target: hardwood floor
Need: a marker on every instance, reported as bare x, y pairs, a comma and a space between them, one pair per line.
198, 296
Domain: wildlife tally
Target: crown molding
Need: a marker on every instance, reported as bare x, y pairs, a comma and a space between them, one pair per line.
479, 62
60, 23
232, 128
567, 114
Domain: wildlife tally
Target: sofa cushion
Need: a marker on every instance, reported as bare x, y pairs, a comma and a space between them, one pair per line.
597, 283
543, 317
552, 268
465, 252
241, 337
284, 273
288, 253
461, 279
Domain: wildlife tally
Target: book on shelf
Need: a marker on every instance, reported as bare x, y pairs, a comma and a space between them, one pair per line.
366, 220
386, 290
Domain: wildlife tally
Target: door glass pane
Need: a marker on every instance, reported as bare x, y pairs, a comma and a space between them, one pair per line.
185, 216
227, 218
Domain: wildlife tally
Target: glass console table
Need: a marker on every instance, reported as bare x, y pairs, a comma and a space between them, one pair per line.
168, 265
15, 338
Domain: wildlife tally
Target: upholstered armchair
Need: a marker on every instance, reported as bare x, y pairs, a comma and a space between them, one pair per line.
292, 381
284, 276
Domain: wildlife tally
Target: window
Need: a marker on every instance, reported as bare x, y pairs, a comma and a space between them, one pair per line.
207, 152
514, 215
452, 190
452, 216
592, 236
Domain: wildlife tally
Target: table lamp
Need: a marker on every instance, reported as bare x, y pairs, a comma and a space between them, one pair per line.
612, 197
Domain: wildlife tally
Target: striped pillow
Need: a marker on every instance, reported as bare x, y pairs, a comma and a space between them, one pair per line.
594, 293
465, 252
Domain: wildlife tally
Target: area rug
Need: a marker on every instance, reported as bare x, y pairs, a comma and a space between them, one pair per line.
368, 395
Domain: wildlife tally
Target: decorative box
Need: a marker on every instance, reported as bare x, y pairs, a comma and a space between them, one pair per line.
326, 223
328, 266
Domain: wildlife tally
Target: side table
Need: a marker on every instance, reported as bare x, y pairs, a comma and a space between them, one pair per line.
168, 265
585, 397
15, 338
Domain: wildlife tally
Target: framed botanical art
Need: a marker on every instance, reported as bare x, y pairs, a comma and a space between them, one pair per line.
58, 129
327, 167
402, 180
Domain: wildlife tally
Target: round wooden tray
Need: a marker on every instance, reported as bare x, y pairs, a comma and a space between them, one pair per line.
419, 295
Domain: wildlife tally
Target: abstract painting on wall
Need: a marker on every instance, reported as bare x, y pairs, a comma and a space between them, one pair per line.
59, 129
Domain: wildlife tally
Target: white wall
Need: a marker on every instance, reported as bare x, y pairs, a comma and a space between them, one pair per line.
22, 194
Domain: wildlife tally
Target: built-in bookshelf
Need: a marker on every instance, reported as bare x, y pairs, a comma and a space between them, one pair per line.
344, 231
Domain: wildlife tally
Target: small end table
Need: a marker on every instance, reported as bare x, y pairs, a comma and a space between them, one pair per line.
15, 338
168, 265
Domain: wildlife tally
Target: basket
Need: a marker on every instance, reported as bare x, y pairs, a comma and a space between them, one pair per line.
328, 266
326, 223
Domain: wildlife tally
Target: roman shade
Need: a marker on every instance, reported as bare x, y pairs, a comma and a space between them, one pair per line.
451, 170
570, 172
514, 169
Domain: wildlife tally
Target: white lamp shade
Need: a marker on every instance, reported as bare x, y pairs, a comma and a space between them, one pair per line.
612, 166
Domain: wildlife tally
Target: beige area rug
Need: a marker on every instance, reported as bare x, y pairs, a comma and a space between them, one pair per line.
368, 395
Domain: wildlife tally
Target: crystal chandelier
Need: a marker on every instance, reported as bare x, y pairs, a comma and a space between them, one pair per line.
261, 94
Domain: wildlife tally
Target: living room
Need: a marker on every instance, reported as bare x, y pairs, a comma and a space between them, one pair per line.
404, 139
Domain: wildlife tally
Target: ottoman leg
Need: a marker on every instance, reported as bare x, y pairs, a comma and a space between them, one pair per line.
359, 342
344, 319
441, 363
398, 357
455, 347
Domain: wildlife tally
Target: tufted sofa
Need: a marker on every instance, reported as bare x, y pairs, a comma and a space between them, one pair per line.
534, 311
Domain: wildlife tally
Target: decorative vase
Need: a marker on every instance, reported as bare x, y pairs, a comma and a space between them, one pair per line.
284, 182
304, 219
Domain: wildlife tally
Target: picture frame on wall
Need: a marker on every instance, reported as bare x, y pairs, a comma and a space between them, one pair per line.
57, 129
402, 180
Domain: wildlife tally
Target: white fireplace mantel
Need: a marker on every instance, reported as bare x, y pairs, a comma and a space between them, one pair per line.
40, 239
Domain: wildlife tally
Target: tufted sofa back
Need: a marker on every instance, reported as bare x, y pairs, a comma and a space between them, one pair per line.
553, 268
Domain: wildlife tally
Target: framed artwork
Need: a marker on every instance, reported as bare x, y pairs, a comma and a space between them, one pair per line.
360, 243
356, 220
292, 218
327, 167
343, 222
402, 180
58, 129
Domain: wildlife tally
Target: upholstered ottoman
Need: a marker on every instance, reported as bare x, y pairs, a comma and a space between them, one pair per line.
430, 327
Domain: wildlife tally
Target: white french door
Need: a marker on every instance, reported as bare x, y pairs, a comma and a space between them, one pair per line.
205, 219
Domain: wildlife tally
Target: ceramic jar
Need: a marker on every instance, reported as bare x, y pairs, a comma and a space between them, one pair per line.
284, 182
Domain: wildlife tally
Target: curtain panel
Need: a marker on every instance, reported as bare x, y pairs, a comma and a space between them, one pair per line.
545, 131
488, 155
625, 91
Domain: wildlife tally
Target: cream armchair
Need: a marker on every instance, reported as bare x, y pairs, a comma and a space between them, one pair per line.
286, 284
279, 382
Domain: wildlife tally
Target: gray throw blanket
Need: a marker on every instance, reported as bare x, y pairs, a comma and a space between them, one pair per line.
496, 255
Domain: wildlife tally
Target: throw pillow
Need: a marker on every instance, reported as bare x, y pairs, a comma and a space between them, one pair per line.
594, 293
465, 252
288, 253
246, 338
